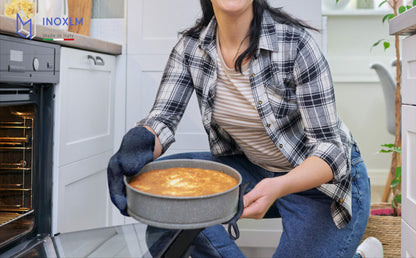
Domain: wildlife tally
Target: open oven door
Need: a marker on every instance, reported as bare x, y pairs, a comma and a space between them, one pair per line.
132, 240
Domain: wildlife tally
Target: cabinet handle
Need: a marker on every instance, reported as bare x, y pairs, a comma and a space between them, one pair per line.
100, 61
92, 58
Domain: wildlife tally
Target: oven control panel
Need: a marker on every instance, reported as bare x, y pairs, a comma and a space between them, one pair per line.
29, 61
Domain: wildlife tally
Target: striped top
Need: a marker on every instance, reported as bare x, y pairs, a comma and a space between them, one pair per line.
235, 111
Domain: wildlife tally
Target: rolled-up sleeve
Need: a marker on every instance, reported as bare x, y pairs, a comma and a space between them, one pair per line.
172, 98
316, 101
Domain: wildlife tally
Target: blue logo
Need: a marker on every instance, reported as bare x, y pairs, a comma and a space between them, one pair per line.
21, 21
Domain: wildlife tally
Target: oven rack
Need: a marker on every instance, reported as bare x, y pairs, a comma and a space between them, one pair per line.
13, 140
13, 208
16, 168
12, 187
15, 125
14, 143
8, 217
21, 166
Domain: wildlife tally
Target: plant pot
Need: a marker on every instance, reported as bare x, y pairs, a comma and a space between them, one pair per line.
385, 228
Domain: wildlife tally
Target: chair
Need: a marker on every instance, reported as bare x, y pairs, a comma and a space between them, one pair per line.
389, 89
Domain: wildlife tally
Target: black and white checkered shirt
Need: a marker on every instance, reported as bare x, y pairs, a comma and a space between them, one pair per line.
293, 92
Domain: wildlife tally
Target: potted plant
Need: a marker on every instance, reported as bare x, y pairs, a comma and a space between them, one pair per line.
395, 209
384, 222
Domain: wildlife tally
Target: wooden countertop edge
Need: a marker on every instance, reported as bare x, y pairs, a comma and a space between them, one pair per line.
8, 26
404, 24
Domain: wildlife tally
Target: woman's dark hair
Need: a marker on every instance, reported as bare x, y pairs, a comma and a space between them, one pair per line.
259, 6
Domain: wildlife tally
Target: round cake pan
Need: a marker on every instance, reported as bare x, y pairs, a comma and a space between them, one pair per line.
183, 212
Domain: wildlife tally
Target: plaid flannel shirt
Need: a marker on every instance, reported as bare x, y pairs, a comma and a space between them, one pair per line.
293, 92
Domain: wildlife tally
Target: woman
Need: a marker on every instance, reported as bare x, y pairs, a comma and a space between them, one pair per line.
268, 106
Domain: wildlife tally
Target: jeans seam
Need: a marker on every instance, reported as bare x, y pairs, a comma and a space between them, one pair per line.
358, 192
210, 244
348, 240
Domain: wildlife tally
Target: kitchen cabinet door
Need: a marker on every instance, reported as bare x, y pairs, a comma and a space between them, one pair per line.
408, 240
408, 179
83, 200
84, 104
152, 32
83, 140
409, 71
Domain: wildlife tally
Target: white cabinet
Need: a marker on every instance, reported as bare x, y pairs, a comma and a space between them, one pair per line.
409, 147
409, 181
409, 70
83, 140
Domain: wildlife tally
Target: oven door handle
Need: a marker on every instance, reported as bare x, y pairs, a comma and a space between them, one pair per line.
16, 68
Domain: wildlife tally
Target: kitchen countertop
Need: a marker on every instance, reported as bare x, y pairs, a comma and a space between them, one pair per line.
8, 26
404, 24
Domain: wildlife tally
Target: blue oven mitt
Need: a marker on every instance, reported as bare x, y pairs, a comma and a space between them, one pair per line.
136, 150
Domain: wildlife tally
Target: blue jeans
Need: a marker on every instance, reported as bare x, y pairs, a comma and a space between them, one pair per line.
308, 228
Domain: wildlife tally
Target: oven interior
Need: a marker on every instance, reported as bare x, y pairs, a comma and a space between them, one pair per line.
17, 125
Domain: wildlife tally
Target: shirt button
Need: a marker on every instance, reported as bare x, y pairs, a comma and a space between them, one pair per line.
268, 125
260, 102
280, 145
341, 200
253, 74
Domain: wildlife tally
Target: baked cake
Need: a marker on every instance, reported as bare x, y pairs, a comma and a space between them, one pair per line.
180, 181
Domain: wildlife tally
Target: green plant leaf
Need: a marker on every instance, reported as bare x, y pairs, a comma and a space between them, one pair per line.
408, 7
398, 198
390, 148
385, 1
386, 151
386, 45
388, 17
398, 172
376, 43
397, 178
402, 9
395, 182
414, 2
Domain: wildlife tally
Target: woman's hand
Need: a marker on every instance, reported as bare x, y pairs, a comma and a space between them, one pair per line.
258, 201
311, 173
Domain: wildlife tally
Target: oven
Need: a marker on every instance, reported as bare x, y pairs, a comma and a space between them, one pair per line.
28, 72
